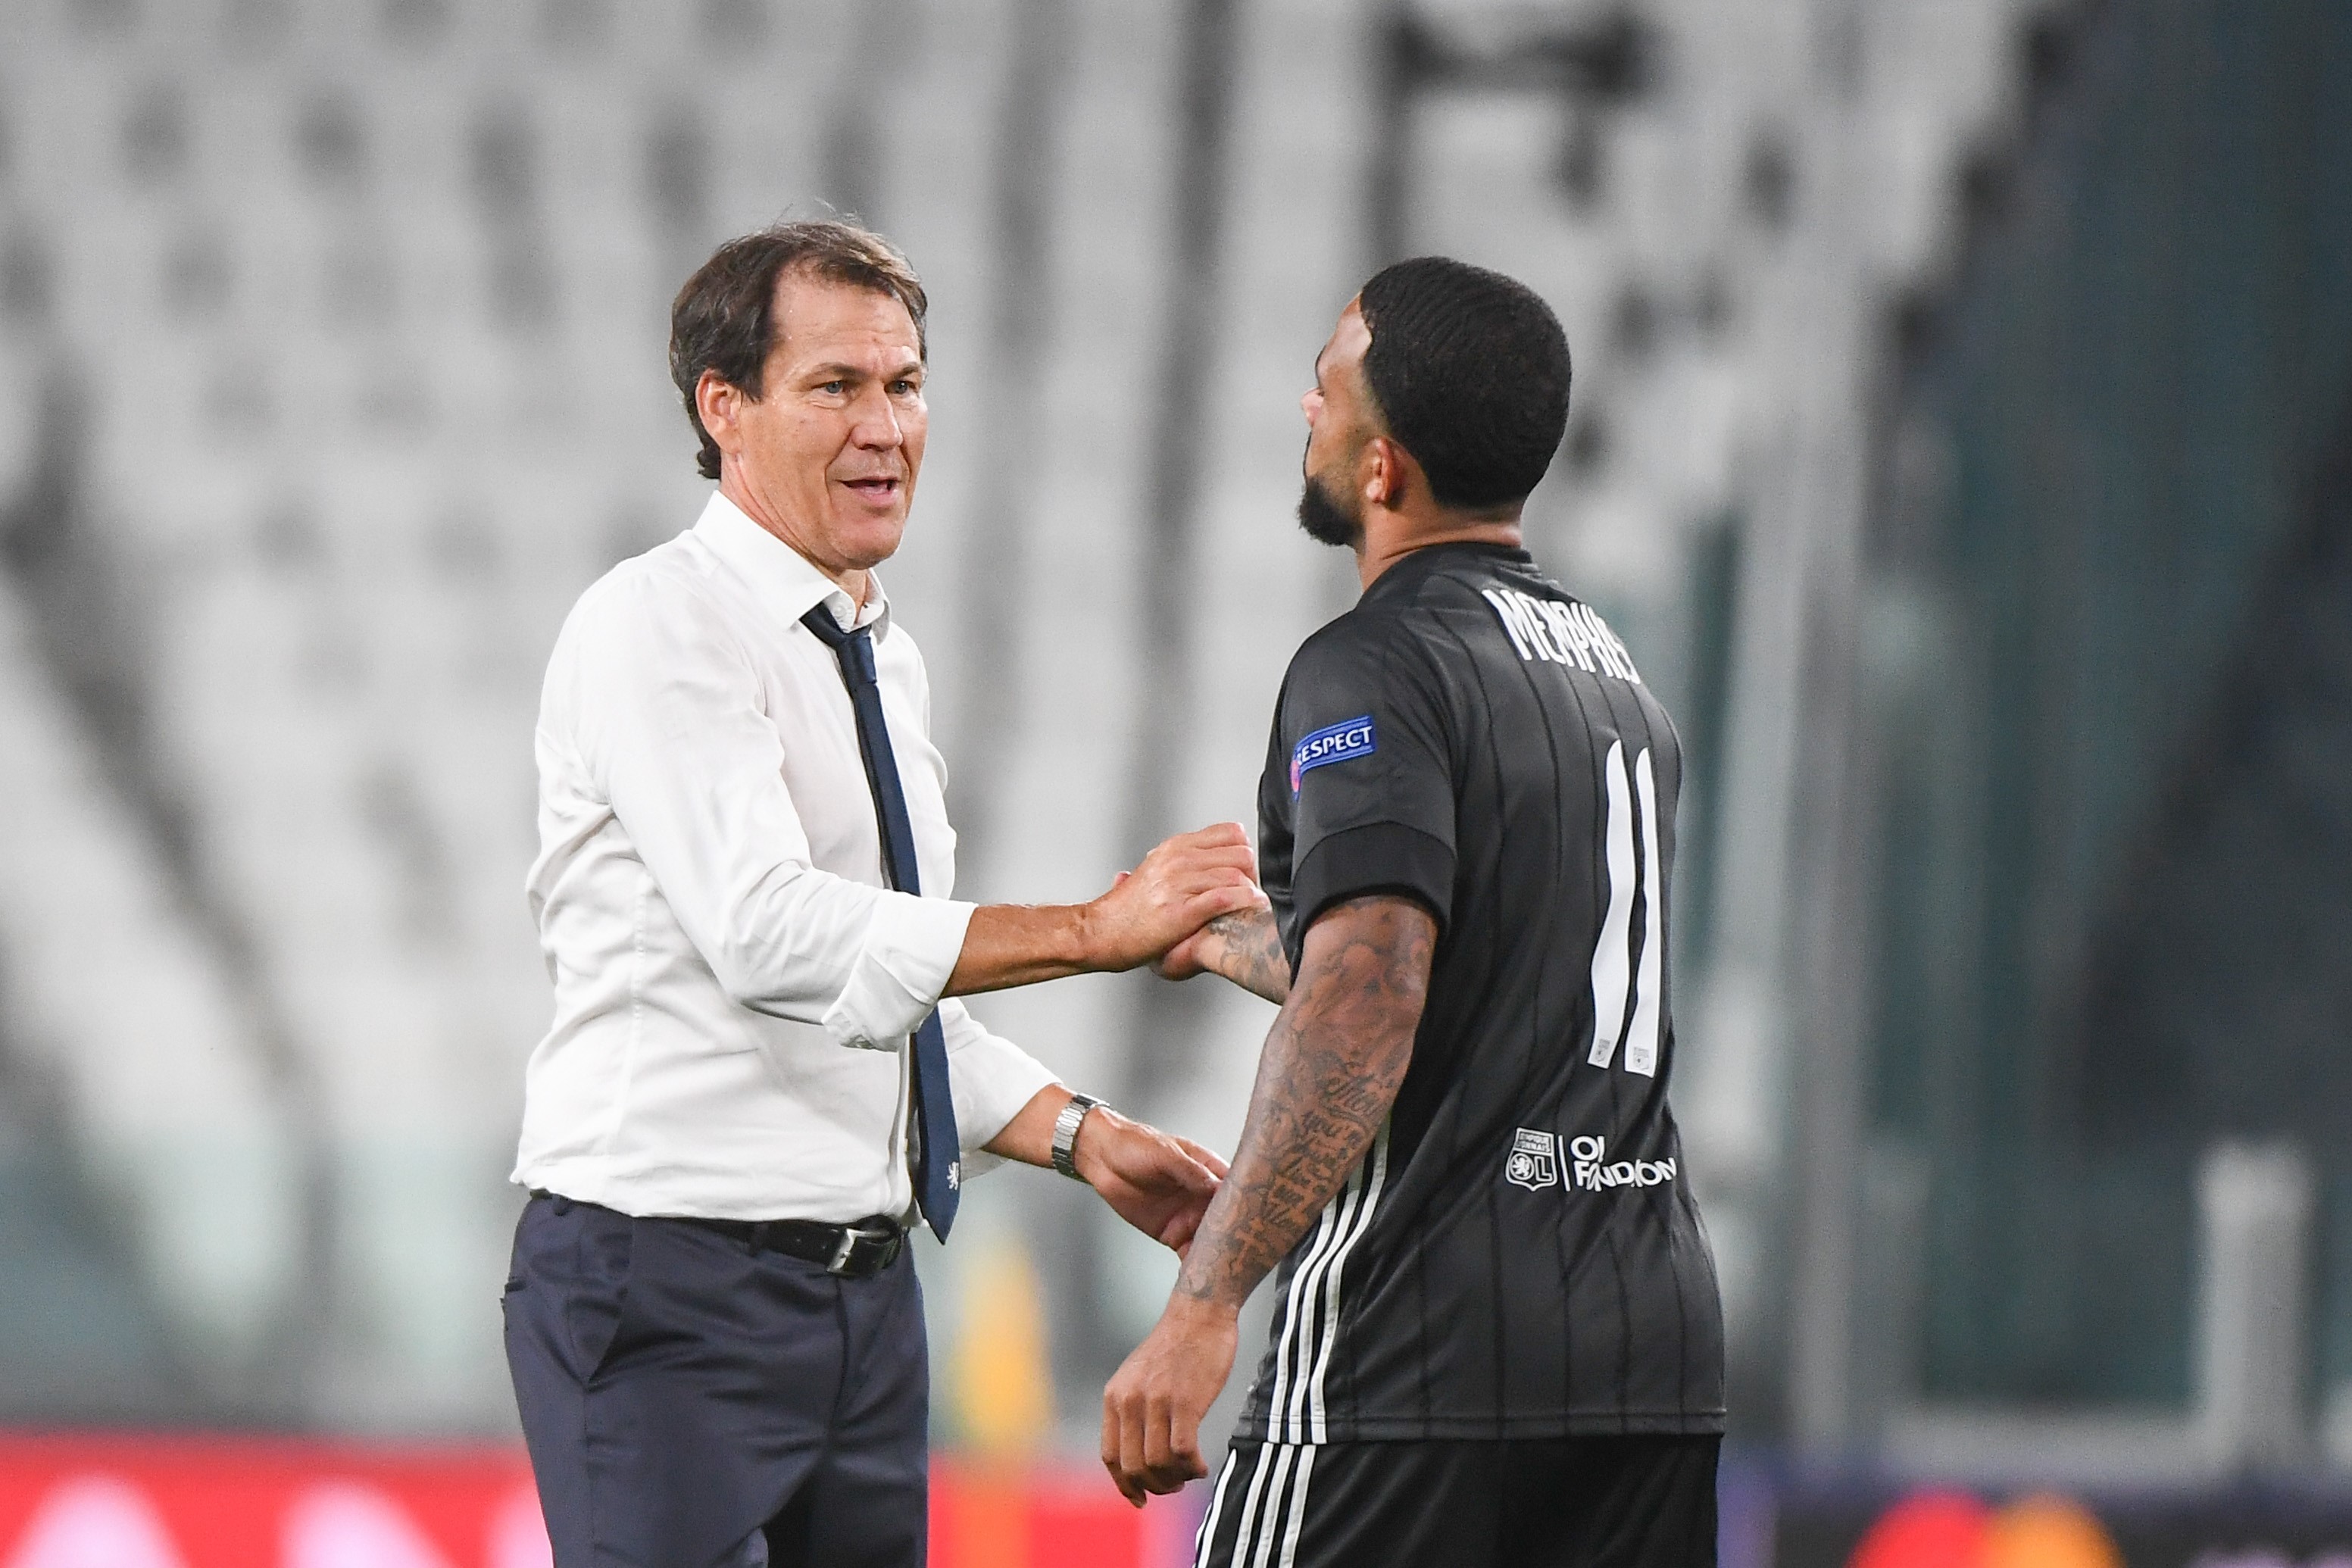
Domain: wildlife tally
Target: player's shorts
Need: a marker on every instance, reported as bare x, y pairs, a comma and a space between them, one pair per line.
1569, 1503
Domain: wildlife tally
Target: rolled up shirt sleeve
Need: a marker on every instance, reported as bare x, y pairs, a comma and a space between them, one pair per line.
990, 1078
672, 728
899, 971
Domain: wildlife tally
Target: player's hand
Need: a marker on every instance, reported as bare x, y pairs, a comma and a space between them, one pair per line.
1157, 1182
1245, 947
1194, 955
1182, 884
1153, 1409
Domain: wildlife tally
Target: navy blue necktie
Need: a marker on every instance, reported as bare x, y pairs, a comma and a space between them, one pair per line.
938, 1166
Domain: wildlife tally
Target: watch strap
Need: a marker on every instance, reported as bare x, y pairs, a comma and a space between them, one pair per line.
1065, 1134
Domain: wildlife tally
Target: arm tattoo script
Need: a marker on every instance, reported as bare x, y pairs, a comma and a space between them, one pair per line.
1330, 1070
1249, 953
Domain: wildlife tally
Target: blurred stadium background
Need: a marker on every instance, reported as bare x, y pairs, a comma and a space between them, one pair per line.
1963, 437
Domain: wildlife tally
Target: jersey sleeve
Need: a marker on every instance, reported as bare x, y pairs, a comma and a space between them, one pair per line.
1369, 774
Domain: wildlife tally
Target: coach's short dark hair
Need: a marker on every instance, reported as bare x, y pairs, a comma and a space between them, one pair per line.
1470, 369
724, 319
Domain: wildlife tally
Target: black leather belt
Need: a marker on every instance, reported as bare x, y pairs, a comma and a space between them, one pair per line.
852, 1251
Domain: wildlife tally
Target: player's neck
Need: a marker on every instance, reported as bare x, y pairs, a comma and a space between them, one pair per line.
1390, 536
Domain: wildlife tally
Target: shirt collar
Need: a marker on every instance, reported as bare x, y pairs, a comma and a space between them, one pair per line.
779, 576
1414, 565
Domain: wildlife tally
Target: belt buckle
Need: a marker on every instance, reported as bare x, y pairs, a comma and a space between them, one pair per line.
850, 1236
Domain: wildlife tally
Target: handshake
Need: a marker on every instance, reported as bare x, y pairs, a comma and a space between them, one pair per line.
1154, 913
1150, 915
1194, 905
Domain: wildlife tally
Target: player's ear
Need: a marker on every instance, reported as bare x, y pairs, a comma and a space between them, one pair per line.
1383, 472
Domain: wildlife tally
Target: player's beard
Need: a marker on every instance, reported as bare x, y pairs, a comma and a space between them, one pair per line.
1325, 522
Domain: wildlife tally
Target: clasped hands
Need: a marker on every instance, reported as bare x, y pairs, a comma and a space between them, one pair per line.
1153, 1409
1158, 1181
1164, 904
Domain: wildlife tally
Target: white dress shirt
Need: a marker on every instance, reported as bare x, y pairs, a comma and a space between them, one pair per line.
735, 983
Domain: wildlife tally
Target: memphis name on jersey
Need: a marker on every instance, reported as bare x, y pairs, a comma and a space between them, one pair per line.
1546, 631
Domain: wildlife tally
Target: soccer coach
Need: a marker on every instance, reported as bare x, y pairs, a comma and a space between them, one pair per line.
1497, 1340
754, 1079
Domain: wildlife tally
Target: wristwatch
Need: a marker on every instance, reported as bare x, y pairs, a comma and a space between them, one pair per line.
1065, 1134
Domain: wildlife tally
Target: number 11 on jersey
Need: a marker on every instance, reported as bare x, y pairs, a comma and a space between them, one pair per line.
1617, 965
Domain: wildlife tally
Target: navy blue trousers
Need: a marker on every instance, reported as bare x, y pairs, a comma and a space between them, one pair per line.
689, 1402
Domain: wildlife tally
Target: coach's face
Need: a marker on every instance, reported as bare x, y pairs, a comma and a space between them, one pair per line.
1341, 425
825, 457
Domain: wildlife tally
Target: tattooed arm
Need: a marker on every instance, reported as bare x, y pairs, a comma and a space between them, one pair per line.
1329, 1072
1243, 946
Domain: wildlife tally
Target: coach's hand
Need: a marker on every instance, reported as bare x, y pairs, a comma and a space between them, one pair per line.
1152, 1409
1182, 884
1157, 1182
1180, 887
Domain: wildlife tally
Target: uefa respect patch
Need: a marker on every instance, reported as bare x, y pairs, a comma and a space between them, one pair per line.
1340, 743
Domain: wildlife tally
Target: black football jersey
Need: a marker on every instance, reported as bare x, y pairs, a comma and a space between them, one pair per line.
1518, 1253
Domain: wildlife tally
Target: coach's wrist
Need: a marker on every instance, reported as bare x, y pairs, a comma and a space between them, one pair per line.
1089, 940
1090, 1150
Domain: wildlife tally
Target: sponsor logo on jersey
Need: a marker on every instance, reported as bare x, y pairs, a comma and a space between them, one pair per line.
1591, 1170
1533, 1162
1340, 743
1549, 631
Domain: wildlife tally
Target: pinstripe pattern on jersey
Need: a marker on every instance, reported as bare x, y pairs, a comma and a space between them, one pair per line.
1456, 1303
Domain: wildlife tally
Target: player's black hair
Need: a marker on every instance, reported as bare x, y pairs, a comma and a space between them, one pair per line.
1470, 369
724, 319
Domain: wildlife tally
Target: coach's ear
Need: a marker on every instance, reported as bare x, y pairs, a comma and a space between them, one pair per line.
718, 403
